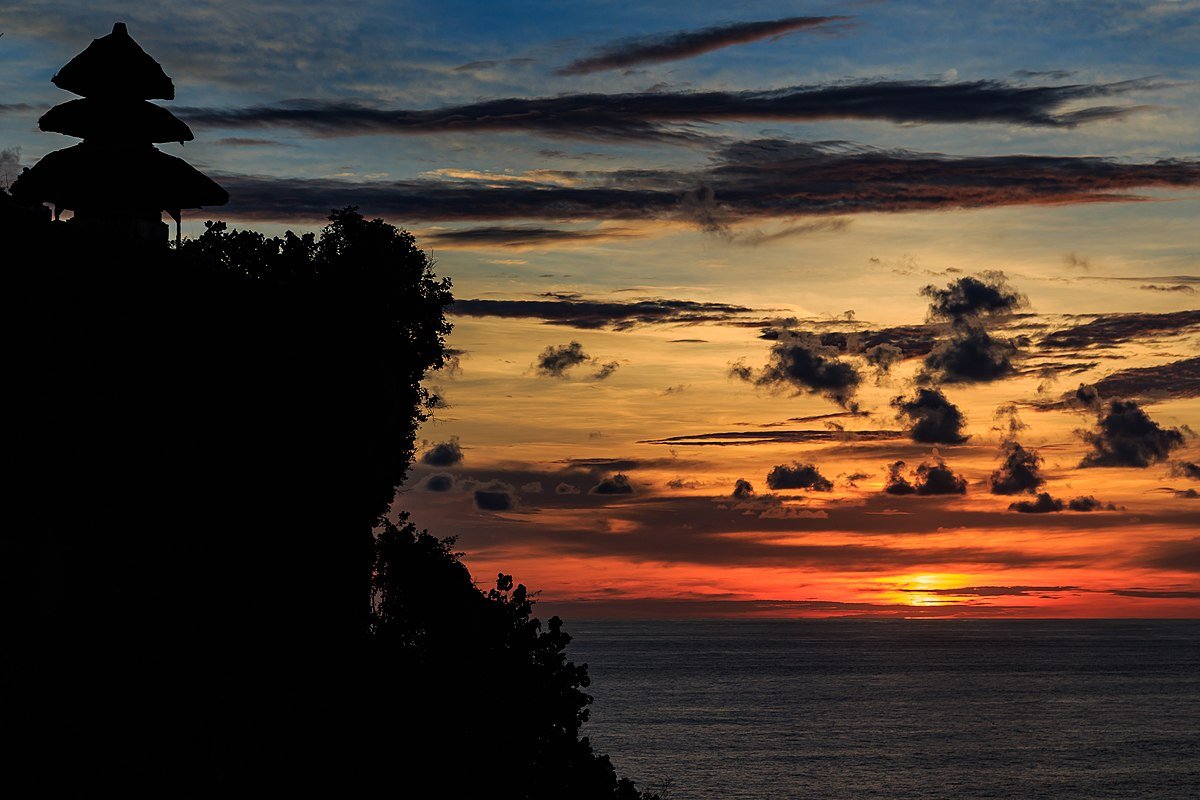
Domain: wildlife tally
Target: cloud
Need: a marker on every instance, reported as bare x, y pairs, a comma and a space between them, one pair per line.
678, 45
1178, 288
566, 488
1155, 594
743, 489
617, 484
1085, 397
496, 496
798, 476
1177, 379
1019, 473
996, 591
693, 529
910, 340
1008, 422
444, 454
1043, 504
707, 608
969, 355
475, 66
738, 438
555, 360
937, 478
439, 482
896, 483
969, 296
1186, 469
1125, 436
932, 418
1088, 503
673, 116
757, 238
605, 370
595, 314
800, 362
762, 179
1178, 555
242, 141
522, 237
1110, 330
883, 356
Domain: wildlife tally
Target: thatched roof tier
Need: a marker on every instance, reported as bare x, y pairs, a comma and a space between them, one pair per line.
115, 66
104, 120
137, 179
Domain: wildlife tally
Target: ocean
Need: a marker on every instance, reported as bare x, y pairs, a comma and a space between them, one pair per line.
775, 709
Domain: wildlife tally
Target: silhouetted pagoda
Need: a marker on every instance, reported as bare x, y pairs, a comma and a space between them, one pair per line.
117, 179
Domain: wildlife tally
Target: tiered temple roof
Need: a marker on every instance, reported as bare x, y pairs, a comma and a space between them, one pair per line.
116, 173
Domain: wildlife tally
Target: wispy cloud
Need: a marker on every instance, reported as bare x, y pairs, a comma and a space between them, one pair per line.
577, 312
522, 237
685, 44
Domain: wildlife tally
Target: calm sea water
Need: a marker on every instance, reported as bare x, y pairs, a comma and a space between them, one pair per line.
922, 709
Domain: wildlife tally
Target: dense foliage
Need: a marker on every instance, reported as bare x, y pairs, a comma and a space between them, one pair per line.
503, 695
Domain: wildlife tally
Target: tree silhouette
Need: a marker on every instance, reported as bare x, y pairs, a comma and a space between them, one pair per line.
479, 671
208, 439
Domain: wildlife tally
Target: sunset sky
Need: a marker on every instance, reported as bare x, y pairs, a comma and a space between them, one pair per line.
786, 244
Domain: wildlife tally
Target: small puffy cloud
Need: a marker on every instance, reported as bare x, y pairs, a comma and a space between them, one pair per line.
743, 489
605, 370
533, 487
566, 488
1089, 503
1125, 436
1008, 422
896, 482
444, 454
931, 417
800, 361
883, 356
1186, 469
969, 355
1086, 397
798, 476
973, 296
937, 478
439, 482
496, 496
1042, 504
555, 360
1019, 473
616, 484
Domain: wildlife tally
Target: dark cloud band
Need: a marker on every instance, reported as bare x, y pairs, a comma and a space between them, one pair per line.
685, 44
674, 116
766, 179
